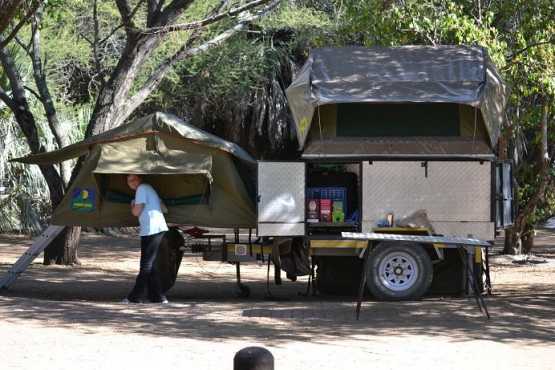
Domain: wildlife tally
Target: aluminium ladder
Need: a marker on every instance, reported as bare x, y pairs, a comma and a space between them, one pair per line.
39, 244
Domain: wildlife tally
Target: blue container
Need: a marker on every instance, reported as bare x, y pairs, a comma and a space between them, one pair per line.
333, 193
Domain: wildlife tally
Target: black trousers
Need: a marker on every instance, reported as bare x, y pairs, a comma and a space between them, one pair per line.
149, 277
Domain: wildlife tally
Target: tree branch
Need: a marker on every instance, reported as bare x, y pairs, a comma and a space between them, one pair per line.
7, 100
154, 11
545, 162
186, 51
36, 94
19, 102
173, 10
26, 121
42, 86
22, 45
14, 32
126, 15
121, 25
95, 44
518, 52
206, 21
90, 42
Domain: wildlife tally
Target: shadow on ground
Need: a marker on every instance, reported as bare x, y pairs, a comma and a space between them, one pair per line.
204, 306
206, 309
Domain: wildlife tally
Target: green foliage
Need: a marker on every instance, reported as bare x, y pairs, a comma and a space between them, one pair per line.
240, 66
419, 22
246, 62
25, 205
297, 17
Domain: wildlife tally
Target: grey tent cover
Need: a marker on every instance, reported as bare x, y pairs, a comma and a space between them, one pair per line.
407, 74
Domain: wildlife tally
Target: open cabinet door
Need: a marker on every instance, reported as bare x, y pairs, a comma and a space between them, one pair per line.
281, 198
504, 215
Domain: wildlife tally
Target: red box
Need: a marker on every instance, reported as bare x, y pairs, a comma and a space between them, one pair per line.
325, 210
313, 210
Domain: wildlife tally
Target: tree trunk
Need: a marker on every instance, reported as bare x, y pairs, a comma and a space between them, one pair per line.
522, 238
67, 253
512, 243
63, 249
110, 109
528, 239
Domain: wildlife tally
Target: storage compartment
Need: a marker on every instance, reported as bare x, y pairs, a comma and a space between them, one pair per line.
333, 197
281, 198
455, 194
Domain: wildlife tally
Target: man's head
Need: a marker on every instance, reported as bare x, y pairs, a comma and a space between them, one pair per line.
133, 181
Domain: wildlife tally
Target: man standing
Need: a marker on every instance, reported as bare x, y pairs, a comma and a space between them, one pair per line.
148, 207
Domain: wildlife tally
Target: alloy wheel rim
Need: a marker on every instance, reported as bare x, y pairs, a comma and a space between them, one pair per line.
398, 271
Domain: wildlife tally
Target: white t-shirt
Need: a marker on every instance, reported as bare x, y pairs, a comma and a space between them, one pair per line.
151, 219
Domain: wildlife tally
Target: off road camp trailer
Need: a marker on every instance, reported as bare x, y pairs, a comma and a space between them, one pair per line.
396, 140
393, 140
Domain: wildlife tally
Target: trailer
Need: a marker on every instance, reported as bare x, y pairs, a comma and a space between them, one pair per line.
398, 179
396, 140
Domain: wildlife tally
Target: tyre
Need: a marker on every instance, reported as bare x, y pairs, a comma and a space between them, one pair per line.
398, 271
169, 258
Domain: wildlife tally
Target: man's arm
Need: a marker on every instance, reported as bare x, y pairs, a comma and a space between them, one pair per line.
138, 204
136, 209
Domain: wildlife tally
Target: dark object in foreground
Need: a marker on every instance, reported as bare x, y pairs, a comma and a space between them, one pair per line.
169, 258
253, 358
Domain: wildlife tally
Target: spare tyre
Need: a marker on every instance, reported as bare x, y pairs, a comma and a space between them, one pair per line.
399, 270
169, 258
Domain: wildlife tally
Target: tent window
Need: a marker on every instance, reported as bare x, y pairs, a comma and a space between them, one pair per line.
415, 119
175, 190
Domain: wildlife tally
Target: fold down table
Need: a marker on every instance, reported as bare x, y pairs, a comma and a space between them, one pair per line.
466, 244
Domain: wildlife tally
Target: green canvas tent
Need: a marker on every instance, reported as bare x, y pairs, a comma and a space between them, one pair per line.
203, 179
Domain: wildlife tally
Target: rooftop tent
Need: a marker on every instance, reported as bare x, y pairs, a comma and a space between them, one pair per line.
433, 87
203, 179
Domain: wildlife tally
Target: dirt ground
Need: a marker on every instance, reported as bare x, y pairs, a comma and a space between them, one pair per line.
70, 317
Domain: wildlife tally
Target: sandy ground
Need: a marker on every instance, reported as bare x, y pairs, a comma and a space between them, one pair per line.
69, 317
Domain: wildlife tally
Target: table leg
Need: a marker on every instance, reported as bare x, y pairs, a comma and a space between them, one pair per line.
472, 284
243, 290
363, 278
488, 278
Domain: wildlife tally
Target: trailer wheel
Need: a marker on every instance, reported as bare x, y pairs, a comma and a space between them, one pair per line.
399, 270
